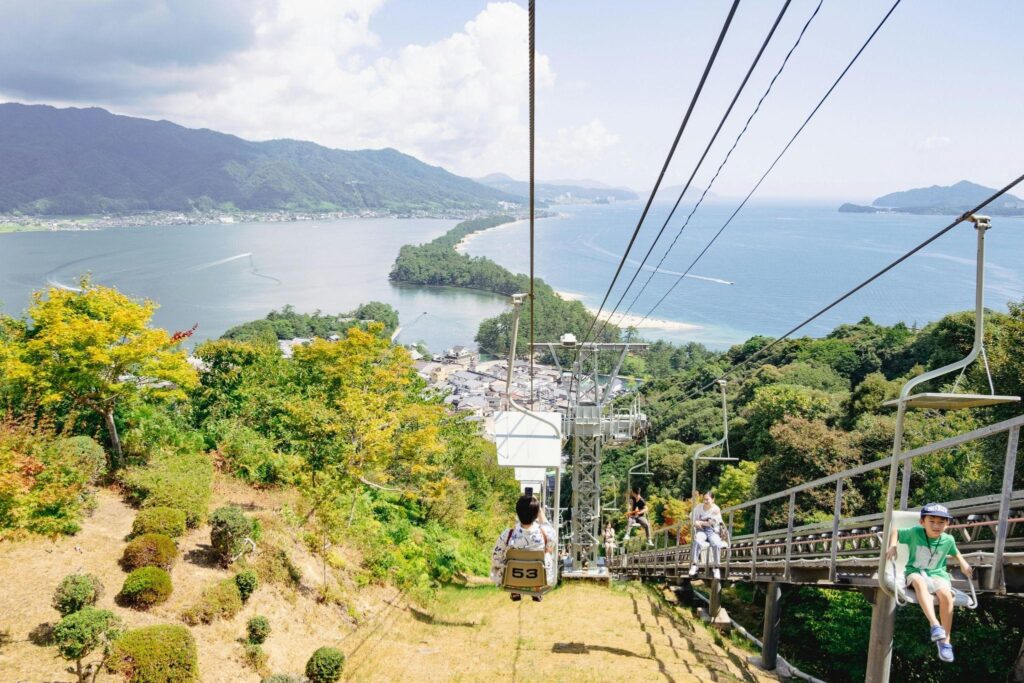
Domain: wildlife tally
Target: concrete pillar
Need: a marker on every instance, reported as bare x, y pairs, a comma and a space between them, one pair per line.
883, 623
772, 623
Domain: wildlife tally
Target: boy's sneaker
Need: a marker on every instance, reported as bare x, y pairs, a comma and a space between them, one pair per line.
693, 570
650, 543
516, 597
715, 573
945, 652
536, 598
938, 635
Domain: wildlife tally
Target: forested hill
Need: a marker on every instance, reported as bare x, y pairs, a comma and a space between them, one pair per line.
949, 200
79, 161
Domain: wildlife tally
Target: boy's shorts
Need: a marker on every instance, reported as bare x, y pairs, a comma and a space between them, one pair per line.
934, 583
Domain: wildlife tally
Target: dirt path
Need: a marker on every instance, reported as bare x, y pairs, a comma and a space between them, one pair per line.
578, 633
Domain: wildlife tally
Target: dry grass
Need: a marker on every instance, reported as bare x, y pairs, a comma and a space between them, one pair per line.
578, 633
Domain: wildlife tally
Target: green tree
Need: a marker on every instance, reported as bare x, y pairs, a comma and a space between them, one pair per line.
93, 348
78, 634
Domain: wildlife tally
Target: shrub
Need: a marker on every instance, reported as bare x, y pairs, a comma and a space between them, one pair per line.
46, 484
150, 550
164, 653
274, 566
251, 456
283, 678
75, 592
80, 633
247, 582
325, 665
229, 529
218, 601
255, 656
175, 480
168, 521
145, 587
258, 629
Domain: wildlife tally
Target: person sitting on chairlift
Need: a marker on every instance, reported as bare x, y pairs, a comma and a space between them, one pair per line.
707, 526
609, 541
929, 545
637, 516
531, 533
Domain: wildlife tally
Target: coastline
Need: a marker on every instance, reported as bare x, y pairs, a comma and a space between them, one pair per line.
624, 321
460, 246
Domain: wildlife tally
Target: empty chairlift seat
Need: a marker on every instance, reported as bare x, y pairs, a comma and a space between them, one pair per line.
894, 580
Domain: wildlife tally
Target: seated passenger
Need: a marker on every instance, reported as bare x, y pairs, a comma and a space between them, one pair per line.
531, 533
929, 545
707, 527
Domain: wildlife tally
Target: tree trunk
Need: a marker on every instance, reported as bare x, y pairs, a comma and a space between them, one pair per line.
1017, 674
115, 440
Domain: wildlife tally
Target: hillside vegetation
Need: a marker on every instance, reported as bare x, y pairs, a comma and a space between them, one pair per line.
82, 161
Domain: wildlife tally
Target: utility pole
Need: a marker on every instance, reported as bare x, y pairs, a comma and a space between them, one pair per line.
591, 429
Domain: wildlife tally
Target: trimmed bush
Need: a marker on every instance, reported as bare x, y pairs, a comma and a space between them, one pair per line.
255, 656
258, 629
247, 583
218, 601
78, 634
159, 520
165, 653
145, 587
183, 481
150, 550
325, 666
283, 678
229, 529
75, 592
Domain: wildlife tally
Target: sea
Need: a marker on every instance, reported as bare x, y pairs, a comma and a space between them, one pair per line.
775, 265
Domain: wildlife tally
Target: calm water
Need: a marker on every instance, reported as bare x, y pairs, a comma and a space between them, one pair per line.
784, 263
223, 275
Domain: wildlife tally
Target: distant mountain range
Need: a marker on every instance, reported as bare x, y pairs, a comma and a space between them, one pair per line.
559, 192
86, 161
950, 200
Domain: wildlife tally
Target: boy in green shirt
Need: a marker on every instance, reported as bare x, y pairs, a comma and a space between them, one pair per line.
926, 573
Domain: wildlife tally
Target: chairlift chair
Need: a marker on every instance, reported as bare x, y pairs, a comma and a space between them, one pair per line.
939, 401
525, 572
894, 578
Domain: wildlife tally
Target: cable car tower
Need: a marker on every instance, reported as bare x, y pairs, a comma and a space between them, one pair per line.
590, 426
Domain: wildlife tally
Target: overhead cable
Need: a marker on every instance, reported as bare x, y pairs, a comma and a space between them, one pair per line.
668, 160
689, 180
774, 163
960, 219
724, 161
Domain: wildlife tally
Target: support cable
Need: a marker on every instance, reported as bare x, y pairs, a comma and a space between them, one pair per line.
728, 154
960, 219
774, 163
668, 159
533, 108
657, 183
707, 149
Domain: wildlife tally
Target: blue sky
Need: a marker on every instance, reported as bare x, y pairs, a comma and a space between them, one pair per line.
936, 98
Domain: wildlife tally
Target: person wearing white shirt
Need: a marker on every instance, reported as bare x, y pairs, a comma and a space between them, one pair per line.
707, 526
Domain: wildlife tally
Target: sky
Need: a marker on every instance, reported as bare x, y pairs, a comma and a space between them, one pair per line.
934, 99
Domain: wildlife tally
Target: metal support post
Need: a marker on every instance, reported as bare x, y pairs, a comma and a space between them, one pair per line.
772, 624
1009, 467
715, 604
883, 623
753, 545
789, 531
836, 514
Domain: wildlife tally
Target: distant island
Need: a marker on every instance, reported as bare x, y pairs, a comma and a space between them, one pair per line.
59, 162
559, 192
939, 200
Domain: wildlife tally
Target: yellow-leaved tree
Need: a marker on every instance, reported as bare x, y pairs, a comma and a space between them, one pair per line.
93, 347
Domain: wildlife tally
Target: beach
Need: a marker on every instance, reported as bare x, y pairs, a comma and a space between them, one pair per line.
460, 247
630, 320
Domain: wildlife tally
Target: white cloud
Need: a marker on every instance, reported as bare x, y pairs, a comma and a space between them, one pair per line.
460, 102
584, 143
933, 142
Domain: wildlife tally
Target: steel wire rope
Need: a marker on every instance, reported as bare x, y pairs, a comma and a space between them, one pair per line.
728, 154
777, 159
707, 149
657, 183
960, 219
532, 79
